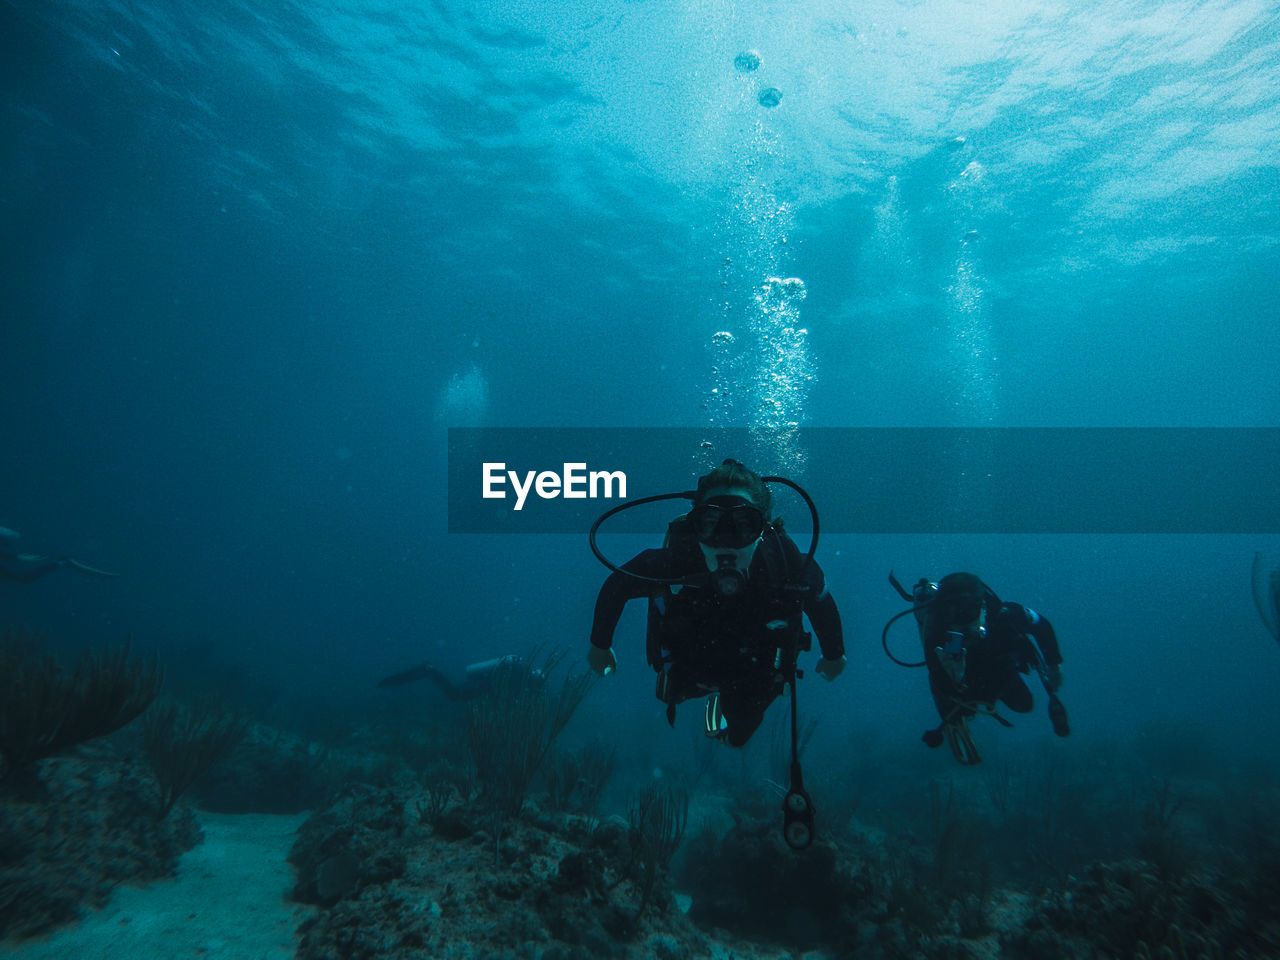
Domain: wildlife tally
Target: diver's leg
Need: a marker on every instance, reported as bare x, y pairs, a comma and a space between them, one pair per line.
676, 684
450, 689
744, 711
404, 676
1016, 694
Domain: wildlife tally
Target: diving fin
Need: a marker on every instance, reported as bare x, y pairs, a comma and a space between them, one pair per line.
1058, 716
85, 568
1057, 712
961, 742
716, 724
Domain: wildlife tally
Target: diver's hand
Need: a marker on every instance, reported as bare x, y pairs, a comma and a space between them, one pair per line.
830, 669
602, 660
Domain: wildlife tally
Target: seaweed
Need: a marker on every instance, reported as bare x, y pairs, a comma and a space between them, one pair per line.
658, 819
182, 741
512, 731
45, 710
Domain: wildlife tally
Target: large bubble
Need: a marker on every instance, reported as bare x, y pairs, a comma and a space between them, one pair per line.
770, 97
747, 61
777, 289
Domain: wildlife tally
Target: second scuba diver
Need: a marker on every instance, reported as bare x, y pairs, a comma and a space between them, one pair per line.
727, 594
477, 680
26, 567
976, 647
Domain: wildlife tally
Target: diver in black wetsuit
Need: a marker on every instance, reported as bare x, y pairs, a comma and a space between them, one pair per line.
477, 680
26, 567
976, 648
733, 631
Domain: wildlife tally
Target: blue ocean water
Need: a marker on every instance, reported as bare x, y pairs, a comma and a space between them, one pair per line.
259, 256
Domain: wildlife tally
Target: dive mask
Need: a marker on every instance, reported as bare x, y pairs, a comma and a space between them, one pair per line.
727, 522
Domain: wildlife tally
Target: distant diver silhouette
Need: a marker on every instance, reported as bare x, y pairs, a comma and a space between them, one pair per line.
477, 680
26, 567
1266, 594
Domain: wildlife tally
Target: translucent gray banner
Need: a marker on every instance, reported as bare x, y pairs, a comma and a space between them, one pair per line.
881, 480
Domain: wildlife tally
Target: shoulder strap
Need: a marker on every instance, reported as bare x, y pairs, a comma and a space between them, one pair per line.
783, 565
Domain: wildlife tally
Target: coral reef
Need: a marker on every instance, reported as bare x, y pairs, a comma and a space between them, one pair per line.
851, 897
93, 826
1127, 909
479, 835
409, 861
397, 886
1011, 863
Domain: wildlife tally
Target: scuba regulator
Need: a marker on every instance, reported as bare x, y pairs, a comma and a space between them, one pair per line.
728, 579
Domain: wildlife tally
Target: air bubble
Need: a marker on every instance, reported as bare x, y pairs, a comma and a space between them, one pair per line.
791, 288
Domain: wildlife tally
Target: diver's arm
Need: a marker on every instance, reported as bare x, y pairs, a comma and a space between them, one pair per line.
1038, 629
618, 588
820, 607
827, 627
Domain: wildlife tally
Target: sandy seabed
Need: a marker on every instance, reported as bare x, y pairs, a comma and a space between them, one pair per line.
227, 902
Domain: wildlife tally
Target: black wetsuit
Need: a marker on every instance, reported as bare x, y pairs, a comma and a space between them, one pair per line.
993, 664
26, 567
744, 646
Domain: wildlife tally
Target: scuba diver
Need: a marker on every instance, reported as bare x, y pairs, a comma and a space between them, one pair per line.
26, 567
975, 648
727, 592
477, 680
